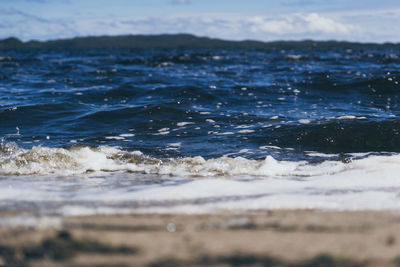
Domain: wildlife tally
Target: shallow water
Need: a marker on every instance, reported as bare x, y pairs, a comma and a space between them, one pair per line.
97, 131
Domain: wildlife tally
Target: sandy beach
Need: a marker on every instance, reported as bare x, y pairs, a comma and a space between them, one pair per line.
273, 238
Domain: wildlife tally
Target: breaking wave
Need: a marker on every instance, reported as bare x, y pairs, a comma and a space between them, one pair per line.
79, 160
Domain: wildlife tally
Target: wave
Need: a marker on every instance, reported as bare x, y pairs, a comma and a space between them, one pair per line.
79, 160
341, 135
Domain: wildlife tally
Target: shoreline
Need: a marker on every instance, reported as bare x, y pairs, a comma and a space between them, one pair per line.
269, 238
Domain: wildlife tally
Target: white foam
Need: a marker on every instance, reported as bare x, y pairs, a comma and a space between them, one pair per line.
115, 137
322, 155
244, 126
294, 57
350, 117
369, 183
267, 126
270, 147
346, 117
163, 131
184, 123
175, 144
304, 121
127, 135
43, 160
192, 184
246, 131
79, 160
225, 133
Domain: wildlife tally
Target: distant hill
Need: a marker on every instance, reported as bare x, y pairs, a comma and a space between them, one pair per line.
173, 41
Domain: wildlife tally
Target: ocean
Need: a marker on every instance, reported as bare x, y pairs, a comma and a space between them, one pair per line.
88, 131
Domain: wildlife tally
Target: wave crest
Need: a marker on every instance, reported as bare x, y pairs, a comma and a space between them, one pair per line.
78, 160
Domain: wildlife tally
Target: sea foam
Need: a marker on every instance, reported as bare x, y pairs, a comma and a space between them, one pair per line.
79, 160
87, 180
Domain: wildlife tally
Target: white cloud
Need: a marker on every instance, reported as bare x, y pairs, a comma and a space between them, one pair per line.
274, 26
317, 23
296, 24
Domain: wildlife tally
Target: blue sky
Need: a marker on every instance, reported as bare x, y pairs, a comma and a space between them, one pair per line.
351, 20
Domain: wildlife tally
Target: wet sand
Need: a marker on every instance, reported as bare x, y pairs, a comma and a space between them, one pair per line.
273, 238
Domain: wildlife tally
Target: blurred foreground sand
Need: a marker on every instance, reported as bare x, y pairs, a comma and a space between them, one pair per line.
273, 238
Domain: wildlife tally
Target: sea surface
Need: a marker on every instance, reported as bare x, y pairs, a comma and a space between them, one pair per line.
136, 131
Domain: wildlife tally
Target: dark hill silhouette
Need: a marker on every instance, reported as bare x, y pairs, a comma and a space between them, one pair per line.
174, 41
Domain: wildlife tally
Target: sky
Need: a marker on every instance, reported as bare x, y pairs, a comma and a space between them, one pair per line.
264, 20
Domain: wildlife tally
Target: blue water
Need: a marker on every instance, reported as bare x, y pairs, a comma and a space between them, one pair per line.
86, 131
234, 100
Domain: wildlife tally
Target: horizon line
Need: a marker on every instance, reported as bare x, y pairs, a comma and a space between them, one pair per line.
207, 37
